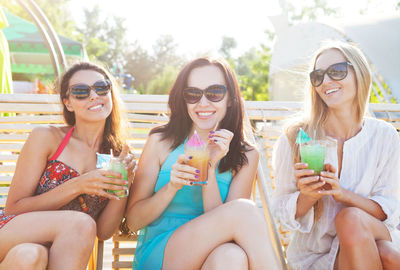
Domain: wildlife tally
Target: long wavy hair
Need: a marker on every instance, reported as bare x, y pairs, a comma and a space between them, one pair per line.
316, 110
113, 135
180, 123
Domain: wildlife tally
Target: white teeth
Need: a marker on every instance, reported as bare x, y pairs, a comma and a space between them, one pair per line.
205, 113
96, 107
331, 91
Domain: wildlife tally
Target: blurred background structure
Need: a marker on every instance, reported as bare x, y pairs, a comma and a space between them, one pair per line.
294, 46
268, 42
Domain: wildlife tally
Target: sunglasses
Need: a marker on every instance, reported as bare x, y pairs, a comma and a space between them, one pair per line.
213, 93
336, 72
82, 91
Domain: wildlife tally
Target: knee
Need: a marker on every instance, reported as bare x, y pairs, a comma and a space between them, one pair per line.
228, 256
350, 226
30, 256
82, 225
389, 255
245, 209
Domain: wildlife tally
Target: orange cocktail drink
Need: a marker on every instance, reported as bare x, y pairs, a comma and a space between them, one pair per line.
198, 150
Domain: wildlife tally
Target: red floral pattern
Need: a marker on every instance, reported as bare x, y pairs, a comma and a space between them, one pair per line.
55, 174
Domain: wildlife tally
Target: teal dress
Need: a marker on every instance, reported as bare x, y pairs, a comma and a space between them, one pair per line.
185, 206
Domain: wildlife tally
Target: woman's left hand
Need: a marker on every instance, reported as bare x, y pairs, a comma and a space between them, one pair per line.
129, 160
332, 186
218, 144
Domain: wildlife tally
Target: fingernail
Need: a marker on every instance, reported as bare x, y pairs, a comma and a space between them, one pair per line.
210, 136
190, 157
212, 132
197, 171
191, 183
215, 140
196, 176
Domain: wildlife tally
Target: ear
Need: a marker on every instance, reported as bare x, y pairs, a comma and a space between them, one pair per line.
67, 104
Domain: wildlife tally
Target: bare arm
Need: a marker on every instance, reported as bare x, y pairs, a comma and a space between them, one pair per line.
240, 187
144, 205
30, 166
242, 183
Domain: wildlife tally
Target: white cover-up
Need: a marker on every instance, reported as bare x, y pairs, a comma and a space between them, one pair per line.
370, 167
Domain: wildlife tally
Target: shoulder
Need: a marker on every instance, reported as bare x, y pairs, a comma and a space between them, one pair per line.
157, 146
252, 154
47, 134
380, 127
156, 139
45, 139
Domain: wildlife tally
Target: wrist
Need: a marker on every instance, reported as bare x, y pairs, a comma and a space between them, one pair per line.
310, 200
346, 198
172, 188
74, 186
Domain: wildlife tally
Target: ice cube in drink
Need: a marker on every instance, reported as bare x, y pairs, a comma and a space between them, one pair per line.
313, 153
118, 166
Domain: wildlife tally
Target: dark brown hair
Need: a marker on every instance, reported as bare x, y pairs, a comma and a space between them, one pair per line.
180, 123
113, 136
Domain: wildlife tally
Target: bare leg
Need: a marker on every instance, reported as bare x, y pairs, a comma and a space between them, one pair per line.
226, 256
26, 256
239, 221
358, 232
71, 235
390, 255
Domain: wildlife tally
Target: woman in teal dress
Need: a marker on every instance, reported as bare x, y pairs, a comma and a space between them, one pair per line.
185, 224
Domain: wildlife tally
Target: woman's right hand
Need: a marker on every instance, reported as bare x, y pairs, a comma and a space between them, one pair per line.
96, 182
183, 174
308, 183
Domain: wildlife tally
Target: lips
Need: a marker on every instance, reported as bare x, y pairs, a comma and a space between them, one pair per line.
330, 91
204, 115
96, 107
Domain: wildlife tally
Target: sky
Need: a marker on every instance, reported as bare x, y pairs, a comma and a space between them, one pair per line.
198, 26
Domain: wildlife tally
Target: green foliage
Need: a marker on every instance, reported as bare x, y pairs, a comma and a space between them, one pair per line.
301, 11
154, 72
56, 11
253, 72
103, 37
162, 82
227, 45
377, 93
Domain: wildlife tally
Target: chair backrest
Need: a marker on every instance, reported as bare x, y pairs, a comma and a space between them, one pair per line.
22, 112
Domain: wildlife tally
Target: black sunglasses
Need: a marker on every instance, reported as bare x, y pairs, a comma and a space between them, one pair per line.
213, 93
82, 91
336, 72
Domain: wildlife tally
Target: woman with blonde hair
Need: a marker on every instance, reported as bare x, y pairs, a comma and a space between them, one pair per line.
346, 216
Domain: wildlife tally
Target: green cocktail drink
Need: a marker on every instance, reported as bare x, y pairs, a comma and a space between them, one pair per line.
313, 153
118, 166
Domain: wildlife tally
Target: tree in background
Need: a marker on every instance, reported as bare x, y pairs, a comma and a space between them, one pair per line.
57, 12
103, 37
154, 72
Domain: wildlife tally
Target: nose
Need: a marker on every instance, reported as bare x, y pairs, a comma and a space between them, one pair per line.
203, 101
328, 79
92, 94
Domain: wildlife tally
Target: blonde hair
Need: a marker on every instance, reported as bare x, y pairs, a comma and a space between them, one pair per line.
316, 111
